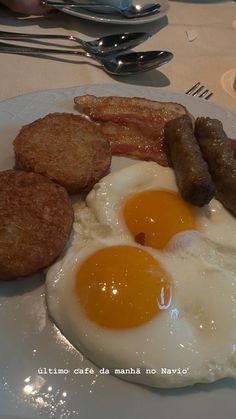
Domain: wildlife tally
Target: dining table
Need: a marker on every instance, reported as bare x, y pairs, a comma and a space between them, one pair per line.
201, 34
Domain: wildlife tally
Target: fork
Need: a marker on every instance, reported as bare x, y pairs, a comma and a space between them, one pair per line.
200, 91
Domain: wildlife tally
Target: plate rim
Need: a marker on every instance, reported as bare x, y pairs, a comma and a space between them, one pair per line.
102, 18
120, 89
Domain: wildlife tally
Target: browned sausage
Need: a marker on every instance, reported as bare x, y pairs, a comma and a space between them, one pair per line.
217, 151
192, 176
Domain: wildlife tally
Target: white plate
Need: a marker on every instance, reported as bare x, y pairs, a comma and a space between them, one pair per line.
115, 19
30, 341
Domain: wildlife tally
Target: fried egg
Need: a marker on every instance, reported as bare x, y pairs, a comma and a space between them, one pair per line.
154, 306
143, 200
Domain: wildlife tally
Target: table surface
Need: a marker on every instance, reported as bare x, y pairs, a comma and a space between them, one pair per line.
210, 58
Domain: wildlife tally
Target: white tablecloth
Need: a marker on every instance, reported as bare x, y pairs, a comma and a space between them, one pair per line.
207, 58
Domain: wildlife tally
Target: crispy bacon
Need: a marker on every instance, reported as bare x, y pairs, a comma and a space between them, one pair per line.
124, 109
134, 126
136, 141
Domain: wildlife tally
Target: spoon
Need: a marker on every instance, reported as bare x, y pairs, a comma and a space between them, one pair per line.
135, 62
119, 65
101, 46
133, 11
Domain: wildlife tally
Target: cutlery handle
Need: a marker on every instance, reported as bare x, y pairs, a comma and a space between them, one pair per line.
12, 48
16, 35
86, 6
75, 4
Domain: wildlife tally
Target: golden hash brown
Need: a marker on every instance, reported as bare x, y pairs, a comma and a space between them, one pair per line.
36, 218
67, 148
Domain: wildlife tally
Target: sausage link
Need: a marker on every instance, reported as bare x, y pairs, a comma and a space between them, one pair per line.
216, 150
192, 176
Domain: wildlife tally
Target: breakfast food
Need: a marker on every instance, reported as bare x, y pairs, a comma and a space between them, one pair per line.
66, 148
36, 218
134, 140
216, 150
132, 289
157, 306
191, 171
123, 109
135, 126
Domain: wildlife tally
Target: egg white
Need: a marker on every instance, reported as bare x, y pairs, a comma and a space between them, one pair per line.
196, 336
108, 196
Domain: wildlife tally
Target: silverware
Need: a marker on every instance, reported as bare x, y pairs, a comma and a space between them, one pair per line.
200, 91
105, 45
120, 65
133, 11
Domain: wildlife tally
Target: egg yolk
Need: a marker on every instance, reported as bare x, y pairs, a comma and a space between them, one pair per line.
122, 287
153, 217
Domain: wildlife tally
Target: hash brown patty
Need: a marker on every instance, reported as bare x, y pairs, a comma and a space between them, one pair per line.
67, 148
36, 218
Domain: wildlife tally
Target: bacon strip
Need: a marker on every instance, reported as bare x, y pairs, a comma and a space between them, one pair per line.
134, 126
133, 140
124, 109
